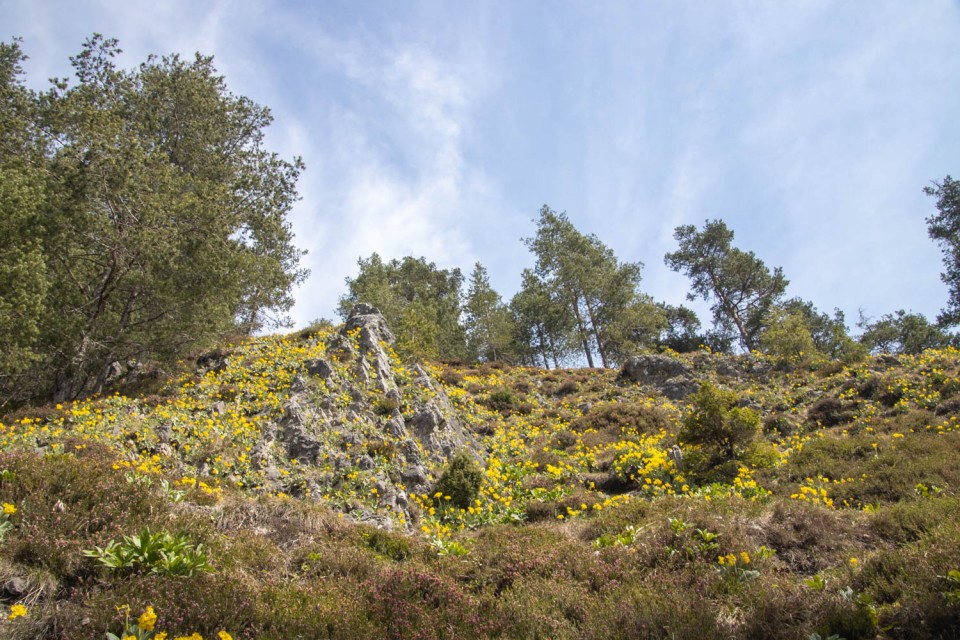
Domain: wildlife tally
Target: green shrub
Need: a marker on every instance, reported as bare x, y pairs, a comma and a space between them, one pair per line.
788, 339
385, 406
949, 388
461, 480
779, 424
761, 455
907, 522
715, 422
503, 400
394, 546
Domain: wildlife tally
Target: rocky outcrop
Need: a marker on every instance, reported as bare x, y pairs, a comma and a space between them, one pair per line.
374, 338
351, 418
654, 369
677, 380
667, 375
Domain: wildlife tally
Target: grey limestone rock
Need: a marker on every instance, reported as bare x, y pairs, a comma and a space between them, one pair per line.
395, 426
300, 443
319, 368
654, 369
679, 388
374, 338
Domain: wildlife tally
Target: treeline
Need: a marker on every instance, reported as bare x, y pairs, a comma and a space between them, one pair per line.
579, 303
140, 217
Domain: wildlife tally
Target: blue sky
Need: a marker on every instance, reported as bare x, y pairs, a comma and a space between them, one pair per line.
440, 128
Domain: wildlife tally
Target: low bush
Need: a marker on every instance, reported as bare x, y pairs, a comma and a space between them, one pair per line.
412, 604
503, 400
394, 546
779, 424
715, 421
68, 503
622, 418
461, 480
829, 412
567, 387
385, 406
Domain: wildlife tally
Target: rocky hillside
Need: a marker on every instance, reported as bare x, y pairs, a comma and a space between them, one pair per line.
313, 485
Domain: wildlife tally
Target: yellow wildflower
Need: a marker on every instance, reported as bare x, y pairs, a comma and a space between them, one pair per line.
223, 635
147, 620
17, 611
9, 509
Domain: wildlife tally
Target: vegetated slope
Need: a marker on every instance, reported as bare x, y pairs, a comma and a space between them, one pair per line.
298, 476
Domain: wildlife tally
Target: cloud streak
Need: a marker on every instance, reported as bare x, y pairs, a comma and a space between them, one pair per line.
810, 128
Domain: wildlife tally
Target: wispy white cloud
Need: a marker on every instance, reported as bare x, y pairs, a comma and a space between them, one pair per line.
810, 127
386, 165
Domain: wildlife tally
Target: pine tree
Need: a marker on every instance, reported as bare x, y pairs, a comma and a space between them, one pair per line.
585, 275
944, 227
487, 320
742, 288
422, 304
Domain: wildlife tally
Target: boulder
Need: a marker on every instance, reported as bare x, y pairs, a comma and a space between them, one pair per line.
679, 388
319, 368
654, 369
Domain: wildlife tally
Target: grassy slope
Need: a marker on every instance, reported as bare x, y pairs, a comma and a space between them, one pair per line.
842, 519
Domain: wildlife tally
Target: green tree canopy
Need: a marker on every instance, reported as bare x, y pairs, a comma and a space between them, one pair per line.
543, 330
944, 227
487, 320
421, 303
741, 287
23, 273
903, 332
796, 326
164, 216
585, 277
681, 332
639, 326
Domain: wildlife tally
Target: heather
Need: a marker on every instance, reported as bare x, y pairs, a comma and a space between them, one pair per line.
833, 510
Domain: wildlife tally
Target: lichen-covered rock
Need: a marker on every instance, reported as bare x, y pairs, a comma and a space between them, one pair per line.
679, 388
434, 421
319, 368
374, 337
301, 444
347, 422
654, 369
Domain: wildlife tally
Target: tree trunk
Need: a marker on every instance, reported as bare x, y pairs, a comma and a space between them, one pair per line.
553, 352
584, 340
596, 335
543, 347
731, 310
108, 358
